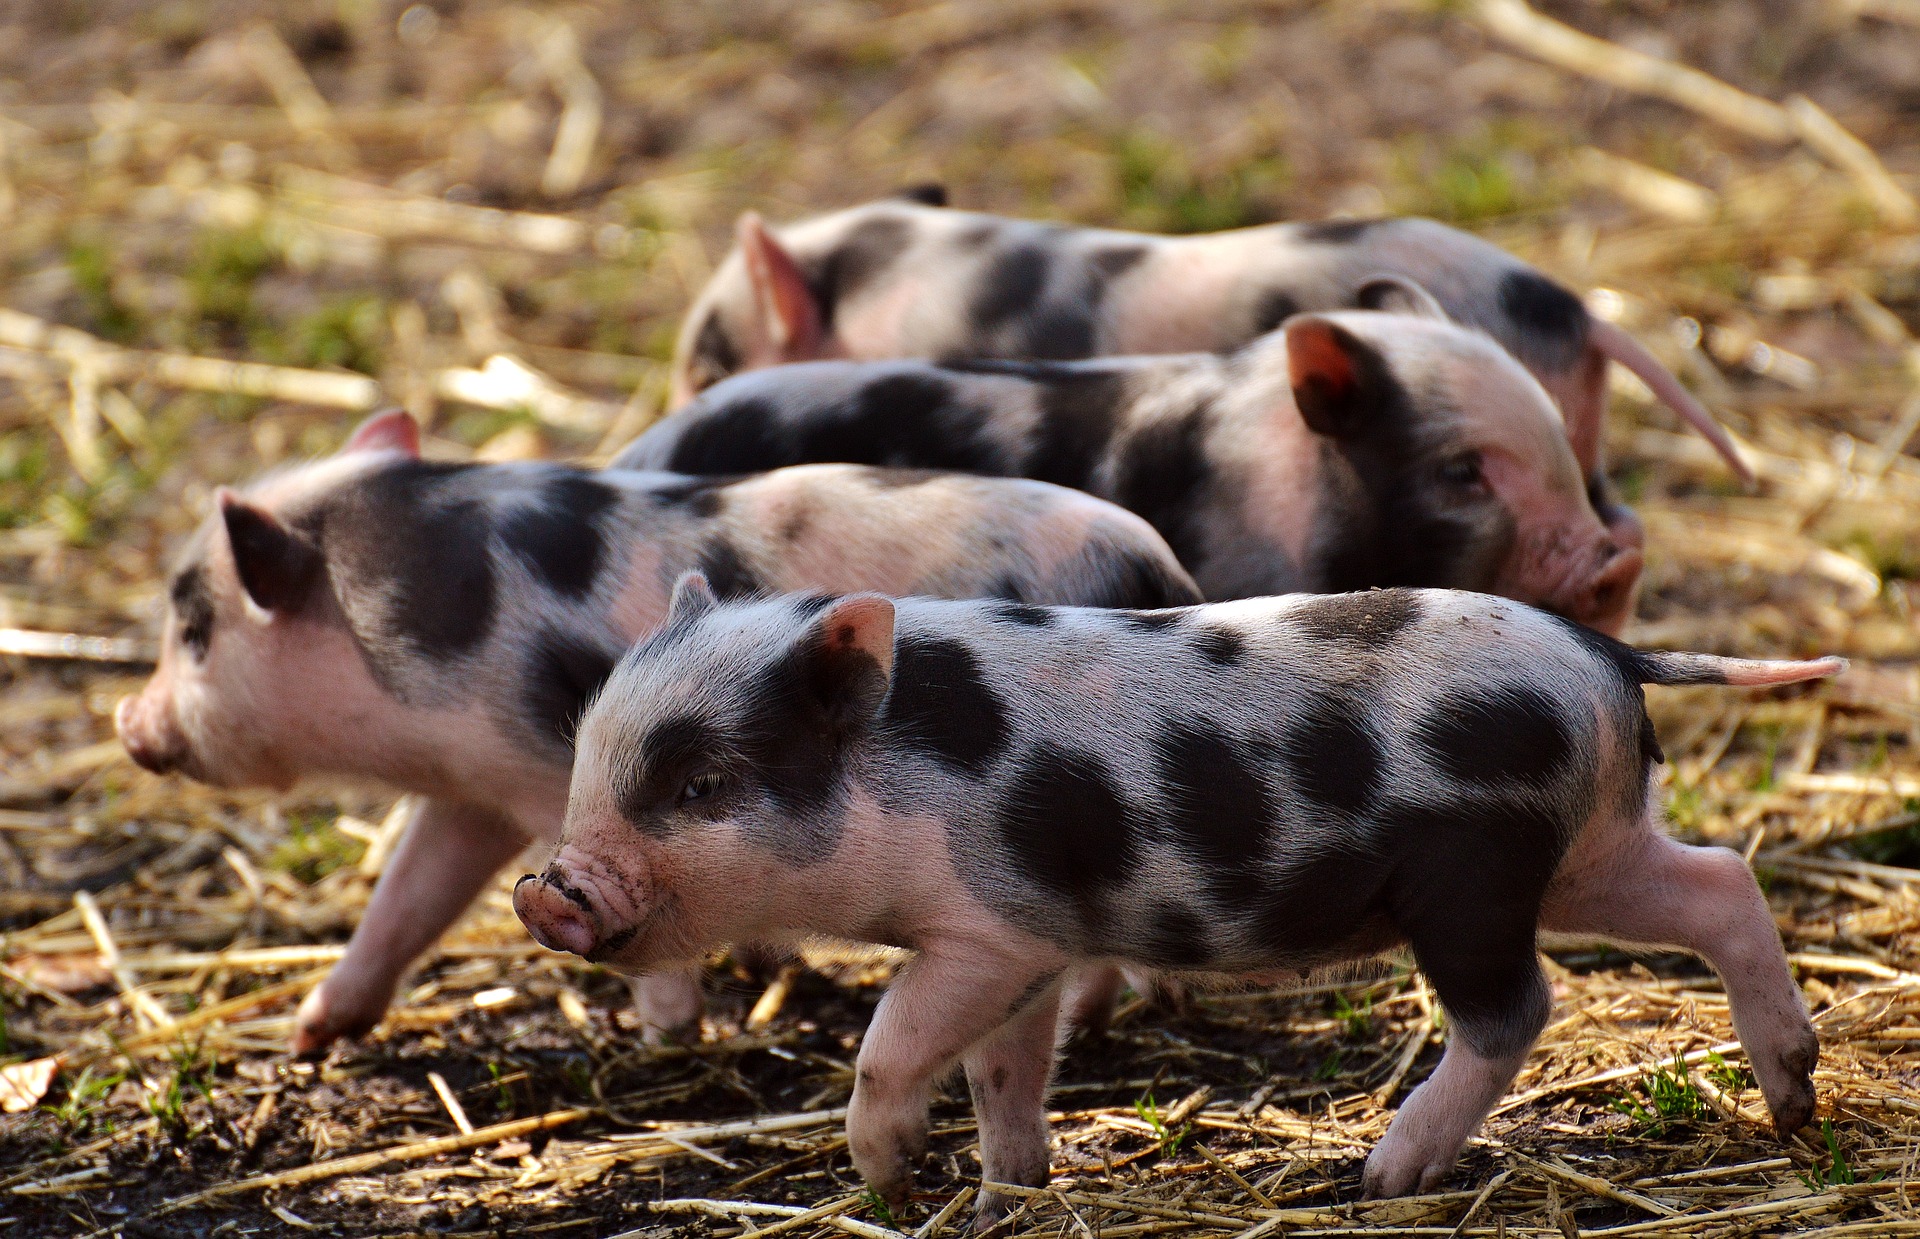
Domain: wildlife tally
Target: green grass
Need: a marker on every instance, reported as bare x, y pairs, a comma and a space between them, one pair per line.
86, 1094
190, 1074
1159, 190
1839, 1171
1357, 1022
1149, 1112
314, 848
1666, 1097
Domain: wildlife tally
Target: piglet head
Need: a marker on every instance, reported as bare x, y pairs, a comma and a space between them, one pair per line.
1464, 461
246, 644
758, 310
717, 753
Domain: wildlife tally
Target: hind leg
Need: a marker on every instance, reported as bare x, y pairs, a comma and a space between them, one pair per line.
1007, 1074
1471, 922
1652, 890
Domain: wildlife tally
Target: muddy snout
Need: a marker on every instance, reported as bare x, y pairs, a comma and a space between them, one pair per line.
148, 734
556, 912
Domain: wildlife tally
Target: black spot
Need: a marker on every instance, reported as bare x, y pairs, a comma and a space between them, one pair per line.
1176, 938
1023, 614
1066, 827
1273, 308
806, 606
562, 674
1550, 321
978, 234
714, 355
1136, 581
192, 603
414, 544
1509, 731
1110, 262
725, 571
1011, 284
941, 704
808, 705
1220, 813
696, 496
1374, 618
558, 535
1336, 231
650, 779
1078, 412
1152, 621
1332, 754
1222, 647
1162, 474
926, 193
869, 248
1058, 332
716, 435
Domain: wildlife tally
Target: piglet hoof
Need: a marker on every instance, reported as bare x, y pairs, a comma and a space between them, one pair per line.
317, 1025
1395, 1171
1793, 1110
991, 1214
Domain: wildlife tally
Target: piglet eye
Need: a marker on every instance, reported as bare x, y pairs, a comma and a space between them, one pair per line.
1462, 470
701, 787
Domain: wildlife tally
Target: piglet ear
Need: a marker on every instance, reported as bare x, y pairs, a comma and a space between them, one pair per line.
850, 657
1396, 294
390, 430
791, 324
692, 597
277, 566
1340, 384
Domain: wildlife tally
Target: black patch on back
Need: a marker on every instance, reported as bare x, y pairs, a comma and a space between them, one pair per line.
1162, 474
1222, 647
1152, 621
1333, 755
742, 435
1220, 812
941, 704
899, 421
1078, 412
1023, 614
418, 533
1273, 308
869, 248
1059, 331
1545, 311
1110, 262
1336, 231
1066, 828
725, 571
192, 601
697, 496
558, 535
926, 193
1508, 732
1374, 618
562, 674
1011, 284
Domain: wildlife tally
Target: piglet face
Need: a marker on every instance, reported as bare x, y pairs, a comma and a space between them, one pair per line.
719, 747
758, 310
1463, 446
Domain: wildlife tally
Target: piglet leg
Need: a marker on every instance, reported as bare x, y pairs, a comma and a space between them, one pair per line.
448, 855
1438, 1118
935, 1008
668, 1002
1007, 1074
1653, 890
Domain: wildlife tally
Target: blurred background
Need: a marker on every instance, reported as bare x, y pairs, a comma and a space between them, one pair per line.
228, 229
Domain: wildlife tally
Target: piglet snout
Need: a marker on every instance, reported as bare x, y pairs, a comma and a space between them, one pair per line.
1605, 601
551, 909
145, 740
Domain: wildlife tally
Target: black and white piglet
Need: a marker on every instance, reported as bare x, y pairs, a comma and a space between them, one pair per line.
1240, 789
1341, 451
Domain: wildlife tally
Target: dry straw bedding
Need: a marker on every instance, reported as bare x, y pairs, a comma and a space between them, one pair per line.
219, 239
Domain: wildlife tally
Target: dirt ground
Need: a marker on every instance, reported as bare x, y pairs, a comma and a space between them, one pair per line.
363, 187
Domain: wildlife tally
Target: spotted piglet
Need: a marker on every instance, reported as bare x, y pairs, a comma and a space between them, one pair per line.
1342, 451
1241, 789
439, 628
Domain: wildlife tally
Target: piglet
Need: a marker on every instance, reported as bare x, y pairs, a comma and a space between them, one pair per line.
1242, 789
439, 628
1341, 451
907, 278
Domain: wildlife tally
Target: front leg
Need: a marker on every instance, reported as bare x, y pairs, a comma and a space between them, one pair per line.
936, 1007
448, 855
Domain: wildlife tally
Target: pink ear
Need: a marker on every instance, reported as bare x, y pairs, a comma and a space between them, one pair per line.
391, 430
788, 312
860, 624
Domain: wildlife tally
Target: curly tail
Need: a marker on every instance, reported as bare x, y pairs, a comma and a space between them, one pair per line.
1665, 667
1623, 348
